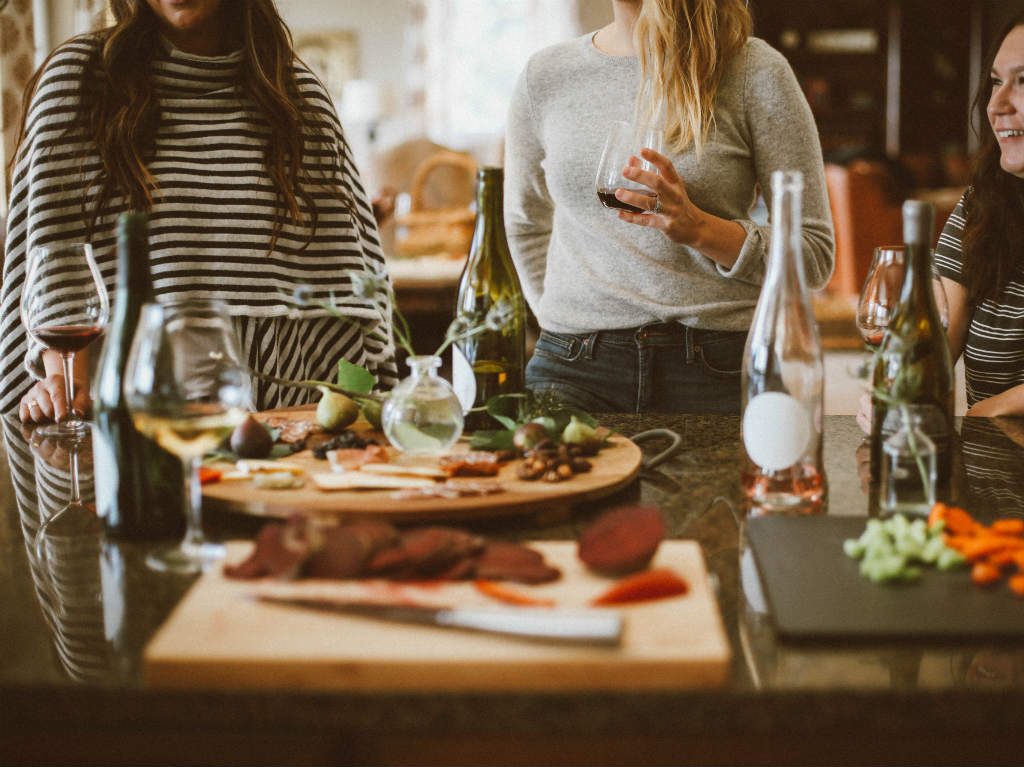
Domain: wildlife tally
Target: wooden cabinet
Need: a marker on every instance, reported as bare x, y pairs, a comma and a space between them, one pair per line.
883, 76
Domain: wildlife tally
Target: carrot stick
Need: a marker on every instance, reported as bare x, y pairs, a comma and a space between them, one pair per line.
208, 475
1013, 526
511, 596
1017, 585
985, 574
643, 586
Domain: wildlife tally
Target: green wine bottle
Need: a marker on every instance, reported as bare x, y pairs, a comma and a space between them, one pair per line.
138, 484
493, 361
913, 370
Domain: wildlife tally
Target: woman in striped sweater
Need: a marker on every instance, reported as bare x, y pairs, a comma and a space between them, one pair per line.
198, 112
980, 254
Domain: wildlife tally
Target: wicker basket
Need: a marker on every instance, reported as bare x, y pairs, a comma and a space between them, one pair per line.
447, 229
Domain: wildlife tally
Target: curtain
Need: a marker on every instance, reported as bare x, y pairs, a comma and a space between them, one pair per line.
17, 62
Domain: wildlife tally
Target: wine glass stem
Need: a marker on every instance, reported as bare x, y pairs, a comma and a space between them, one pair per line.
193, 498
69, 384
76, 492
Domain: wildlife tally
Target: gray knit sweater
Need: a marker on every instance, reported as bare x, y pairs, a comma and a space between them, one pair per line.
582, 268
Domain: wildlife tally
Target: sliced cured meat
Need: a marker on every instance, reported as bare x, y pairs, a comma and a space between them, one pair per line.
478, 463
279, 552
501, 561
292, 431
347, 549
622, 540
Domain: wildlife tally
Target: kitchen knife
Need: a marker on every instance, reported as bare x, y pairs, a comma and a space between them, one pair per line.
596, 627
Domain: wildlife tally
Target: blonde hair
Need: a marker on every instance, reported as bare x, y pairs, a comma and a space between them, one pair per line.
683, 47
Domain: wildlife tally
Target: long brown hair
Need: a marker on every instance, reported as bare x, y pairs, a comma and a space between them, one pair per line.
994, 232
683, 47
121, 114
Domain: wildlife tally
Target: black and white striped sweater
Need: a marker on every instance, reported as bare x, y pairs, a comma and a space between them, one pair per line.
211, 223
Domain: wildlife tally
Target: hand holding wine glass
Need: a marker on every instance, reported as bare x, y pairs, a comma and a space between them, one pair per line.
64, 307
186, 389
621, 148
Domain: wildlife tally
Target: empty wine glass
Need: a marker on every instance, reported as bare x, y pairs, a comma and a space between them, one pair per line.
186, 389
624, 142
64, 306
880, 294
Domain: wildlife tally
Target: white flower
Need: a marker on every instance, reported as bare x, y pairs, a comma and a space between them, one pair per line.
499, 315
367, 284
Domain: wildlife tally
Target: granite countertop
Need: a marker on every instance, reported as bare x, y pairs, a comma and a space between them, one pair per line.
76, 616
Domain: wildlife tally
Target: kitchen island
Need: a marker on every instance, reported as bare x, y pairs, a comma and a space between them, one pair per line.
78, 611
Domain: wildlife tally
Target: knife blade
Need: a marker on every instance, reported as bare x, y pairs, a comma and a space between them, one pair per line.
595, 627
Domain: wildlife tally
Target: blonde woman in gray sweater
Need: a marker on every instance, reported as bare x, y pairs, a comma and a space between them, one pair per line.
649, 311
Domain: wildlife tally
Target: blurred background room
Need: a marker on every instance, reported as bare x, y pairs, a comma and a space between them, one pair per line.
422, 88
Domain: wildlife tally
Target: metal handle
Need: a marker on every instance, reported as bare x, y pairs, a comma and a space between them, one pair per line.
664, 455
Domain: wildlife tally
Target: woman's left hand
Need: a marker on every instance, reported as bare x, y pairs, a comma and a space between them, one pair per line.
671, 210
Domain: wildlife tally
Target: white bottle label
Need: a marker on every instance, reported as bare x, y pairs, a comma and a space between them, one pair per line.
776, 430
463, 380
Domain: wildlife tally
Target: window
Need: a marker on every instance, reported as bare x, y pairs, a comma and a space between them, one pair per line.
475, 51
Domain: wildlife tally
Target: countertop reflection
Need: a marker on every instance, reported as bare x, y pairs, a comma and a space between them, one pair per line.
79, 609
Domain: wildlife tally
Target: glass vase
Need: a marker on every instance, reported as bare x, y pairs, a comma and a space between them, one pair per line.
422, 416
908, 471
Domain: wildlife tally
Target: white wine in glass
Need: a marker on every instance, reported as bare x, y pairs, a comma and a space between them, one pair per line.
186, 389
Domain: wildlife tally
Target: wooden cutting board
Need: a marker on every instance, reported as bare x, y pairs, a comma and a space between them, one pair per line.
219, 636
614, 467
815, 591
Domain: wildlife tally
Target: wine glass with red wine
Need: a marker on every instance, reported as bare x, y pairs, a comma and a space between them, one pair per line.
622, 148
64, 307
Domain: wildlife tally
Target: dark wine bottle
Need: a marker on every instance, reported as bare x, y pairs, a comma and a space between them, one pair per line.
493, 361
913, 373
138, 484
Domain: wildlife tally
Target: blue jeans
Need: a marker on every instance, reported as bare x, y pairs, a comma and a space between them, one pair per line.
660, 368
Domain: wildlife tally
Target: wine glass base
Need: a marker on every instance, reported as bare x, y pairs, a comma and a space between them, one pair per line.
63, 430
186, 558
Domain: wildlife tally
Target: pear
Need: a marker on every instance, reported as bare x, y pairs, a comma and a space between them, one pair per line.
371, 411
335, 411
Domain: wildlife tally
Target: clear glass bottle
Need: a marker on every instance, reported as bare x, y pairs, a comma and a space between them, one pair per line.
783, 373
908, 470
422, 416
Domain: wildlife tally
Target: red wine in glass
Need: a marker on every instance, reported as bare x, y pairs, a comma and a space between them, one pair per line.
67, 338
64, 307
609, 200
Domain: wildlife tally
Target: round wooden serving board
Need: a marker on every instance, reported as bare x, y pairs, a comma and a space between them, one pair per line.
614, 467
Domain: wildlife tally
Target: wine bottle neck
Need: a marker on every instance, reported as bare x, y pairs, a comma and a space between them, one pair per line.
784, 264
133, 272
490, 213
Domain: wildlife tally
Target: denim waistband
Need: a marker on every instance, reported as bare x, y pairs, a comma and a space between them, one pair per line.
665, 330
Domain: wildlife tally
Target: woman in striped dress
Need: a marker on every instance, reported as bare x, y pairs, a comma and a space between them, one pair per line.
199, 113
980, 254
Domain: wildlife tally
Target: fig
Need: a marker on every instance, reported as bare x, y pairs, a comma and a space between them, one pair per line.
528, 435
579, 433
250, 439
335, 411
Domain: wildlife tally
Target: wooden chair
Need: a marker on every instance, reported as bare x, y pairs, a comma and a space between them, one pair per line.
865, 215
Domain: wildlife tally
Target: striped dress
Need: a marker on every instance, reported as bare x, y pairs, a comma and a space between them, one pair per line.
211, 223
994, 352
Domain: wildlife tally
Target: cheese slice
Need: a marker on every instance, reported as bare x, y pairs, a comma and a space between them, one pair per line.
360, 480
400, 470
256, 466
